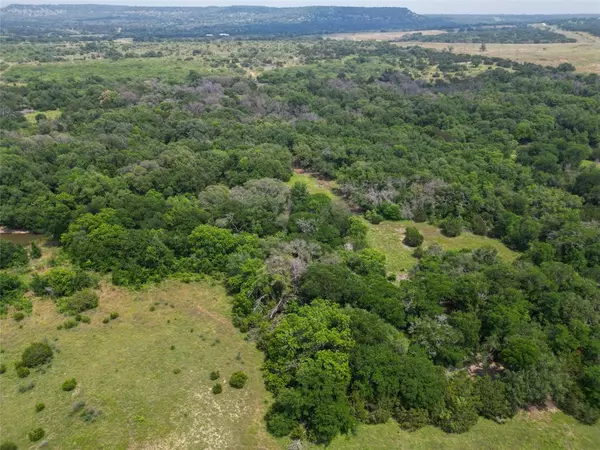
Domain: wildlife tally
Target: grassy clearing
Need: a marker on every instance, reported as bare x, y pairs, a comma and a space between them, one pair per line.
50, 115
314, 185
541, 431
387, 237
125, 369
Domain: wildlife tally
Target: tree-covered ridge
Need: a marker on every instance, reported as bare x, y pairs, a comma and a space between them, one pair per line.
143, 179
142, 22
501, 35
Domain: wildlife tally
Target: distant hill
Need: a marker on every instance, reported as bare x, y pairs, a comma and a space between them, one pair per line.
44, 21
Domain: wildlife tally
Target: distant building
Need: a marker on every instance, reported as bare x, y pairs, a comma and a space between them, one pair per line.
223, 34
209, 35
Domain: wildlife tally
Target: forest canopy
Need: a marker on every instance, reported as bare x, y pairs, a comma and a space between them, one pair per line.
140, 179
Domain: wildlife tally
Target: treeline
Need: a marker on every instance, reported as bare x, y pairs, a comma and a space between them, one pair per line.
144, 180
589, 25
518, 34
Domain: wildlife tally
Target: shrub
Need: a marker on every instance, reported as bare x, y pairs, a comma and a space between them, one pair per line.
373, 217
90, 414
36, 354
106, 320
35, 251
214, 375
79, 302
391, 211
26, 387
451, 227
418, 252
70, 323
114, 315
12, 255
8, 445
36, 435
39, 407
2, 368
217, 388
18, 316
86, 319
177, 371
238, 380
77, 406
413, 238
23, 372
69, 385
494, 403
412, 419
62, 282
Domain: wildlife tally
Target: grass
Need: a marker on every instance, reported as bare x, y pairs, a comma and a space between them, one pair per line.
50, 115
314, 185
150, 396
544, 430
387, 237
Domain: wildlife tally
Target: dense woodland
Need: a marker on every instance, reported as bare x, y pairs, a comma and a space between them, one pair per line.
141, 179
521, 34
588, 25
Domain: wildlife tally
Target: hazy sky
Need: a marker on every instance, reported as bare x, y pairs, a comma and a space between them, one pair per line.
418, 6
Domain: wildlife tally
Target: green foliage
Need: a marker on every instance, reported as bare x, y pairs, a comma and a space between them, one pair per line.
62, 282
12, 255
238, 380
36, 434
494, 404
36, 354
12, 289
413, 238
39, 407
2, 368
69, 384
214, 375
18, 316
217, 388
412, 419
451, 227
79, 302
459, 413
35, 251
114, 315
22, 372
8, 445
367, 262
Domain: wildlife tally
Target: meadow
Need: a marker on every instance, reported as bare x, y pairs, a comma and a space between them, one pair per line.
145, 372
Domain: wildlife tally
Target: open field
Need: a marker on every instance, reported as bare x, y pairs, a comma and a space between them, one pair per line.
583, 54
313, 184
387, 237
539, 431
126, 370
379, 36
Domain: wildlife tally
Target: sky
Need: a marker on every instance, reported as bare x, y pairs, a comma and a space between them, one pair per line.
418, 6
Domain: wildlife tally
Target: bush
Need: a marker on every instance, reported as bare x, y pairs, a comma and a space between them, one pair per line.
494, 403
412, 419
114, 315
36, 354
8, 445
413, 238
62, 282
79, 302
70, 323
391, 211
373, 217
451, 227
90, 414
238, 380
214, 375
12, 255
26, 387
177, 371
39, 407
86, 319
2, 368
36, 435
18, 316
35, 251
23, 372
418, 252
217, 388
69, 385
77, 406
